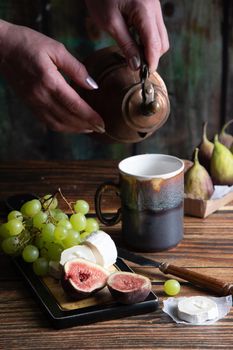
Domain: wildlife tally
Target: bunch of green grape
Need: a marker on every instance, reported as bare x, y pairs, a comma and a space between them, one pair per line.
40, 231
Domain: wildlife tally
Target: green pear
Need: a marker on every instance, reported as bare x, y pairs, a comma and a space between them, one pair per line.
205, 149
197, 181
221, 164
225, 138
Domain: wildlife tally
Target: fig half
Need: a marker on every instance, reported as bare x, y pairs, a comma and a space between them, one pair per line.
82, 278
128, 287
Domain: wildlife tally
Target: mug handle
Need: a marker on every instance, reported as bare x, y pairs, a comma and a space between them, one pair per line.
104, 187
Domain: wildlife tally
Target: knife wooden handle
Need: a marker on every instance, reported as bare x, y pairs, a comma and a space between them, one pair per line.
215, 285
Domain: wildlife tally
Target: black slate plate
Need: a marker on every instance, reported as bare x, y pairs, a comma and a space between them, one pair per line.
61, 318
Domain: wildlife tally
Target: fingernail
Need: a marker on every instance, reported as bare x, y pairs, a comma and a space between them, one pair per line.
98, 128
91, 82
134, 62
87, 131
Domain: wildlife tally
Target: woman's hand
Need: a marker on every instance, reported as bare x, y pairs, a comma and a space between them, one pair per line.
34, 64
117, 16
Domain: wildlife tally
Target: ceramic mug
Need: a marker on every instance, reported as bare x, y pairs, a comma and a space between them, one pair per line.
151, 189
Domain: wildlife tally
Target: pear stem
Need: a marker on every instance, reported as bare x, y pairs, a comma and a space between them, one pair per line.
226, 126
204, 135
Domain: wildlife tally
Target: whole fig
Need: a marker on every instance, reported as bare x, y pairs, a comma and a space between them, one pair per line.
205, 149
128, 287
221, 166
225, 138
82, 278
197, 181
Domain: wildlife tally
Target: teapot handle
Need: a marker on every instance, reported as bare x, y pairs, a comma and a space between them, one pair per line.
104, 187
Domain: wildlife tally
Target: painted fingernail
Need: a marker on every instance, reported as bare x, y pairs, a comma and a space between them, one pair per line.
91, 82
134, 62
99, 129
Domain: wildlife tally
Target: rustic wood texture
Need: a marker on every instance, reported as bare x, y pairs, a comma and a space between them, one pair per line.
207, 247
193, 71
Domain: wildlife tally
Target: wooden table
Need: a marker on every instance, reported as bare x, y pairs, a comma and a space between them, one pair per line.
207, 247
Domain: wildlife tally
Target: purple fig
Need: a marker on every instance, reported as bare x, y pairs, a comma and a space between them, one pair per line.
206, 148
82, 278
225, 138
197, 181
128, 287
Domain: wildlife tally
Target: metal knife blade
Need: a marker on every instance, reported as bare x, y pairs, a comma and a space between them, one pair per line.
136, 258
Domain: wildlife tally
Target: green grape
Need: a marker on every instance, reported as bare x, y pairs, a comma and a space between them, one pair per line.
49, 202
171, 287
84, 235
91, 225
81, 206
39, 219
78, 221
40, 266
39, 242
65, 223
54, 251
15, 227
60, 233
44, 253
47, 233
58, 215
31, 208
72, 239
11, 245
15, 214
4, 233
30, 253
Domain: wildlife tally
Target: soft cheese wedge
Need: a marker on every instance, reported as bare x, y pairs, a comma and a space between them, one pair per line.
78, 251
197, 309
103, 248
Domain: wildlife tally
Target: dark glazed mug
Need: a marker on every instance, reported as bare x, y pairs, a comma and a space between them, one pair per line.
151, 189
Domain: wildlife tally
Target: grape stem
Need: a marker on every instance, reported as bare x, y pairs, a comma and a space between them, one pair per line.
64, 198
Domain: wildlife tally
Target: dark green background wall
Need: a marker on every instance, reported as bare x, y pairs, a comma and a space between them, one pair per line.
198, 72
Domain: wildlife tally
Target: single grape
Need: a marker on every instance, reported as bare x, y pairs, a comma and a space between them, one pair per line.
44, 253
30, 253
4, 233
84, 235
39, 241
15, 214
171, 287
11, 245
49, 202
81, 206
41, 266
54, 251
14, 227
39, 219
72, 239
58, 215
78, 221
31, 208
60, 233
91, 225
65, 223
47, 233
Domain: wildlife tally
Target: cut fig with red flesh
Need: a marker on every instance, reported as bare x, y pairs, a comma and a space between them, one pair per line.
128, 287
82, 278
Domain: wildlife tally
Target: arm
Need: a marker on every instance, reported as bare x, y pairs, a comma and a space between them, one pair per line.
117, 16
31, 62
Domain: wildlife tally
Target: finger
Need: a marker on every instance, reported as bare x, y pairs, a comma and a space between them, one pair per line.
162, 30
67, 97
73, 68
119, 31
55, 124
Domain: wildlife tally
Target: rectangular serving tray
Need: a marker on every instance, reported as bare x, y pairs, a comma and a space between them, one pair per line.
61, 317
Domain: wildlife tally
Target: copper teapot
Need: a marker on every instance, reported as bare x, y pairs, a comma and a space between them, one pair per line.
133, 104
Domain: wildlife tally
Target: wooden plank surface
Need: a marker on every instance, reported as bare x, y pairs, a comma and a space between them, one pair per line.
207, 247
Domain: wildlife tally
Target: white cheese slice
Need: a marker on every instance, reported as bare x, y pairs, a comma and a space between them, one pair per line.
197, 309
78, 251
103, 247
